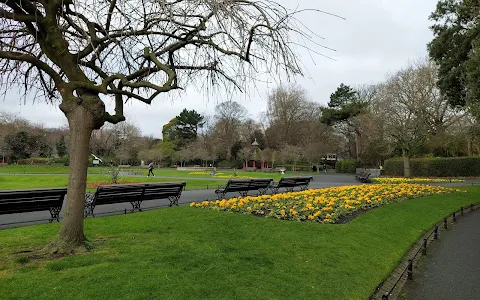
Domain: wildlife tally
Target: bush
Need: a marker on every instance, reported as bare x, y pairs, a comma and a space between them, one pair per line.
60, 160
435, 167
226, 164
346, 166
33, 161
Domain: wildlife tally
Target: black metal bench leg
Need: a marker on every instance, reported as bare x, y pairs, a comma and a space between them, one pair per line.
173, 200
243, 194
54, 213
136, 205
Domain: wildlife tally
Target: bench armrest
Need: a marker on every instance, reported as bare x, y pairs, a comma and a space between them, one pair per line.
89, 197
221, 187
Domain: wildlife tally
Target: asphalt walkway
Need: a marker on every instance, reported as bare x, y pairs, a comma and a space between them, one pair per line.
451, 270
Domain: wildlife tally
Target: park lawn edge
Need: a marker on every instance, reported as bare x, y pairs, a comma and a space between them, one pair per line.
321, 266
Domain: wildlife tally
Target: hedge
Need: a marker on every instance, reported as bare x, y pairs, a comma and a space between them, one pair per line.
435, 167
33, 161
346, 166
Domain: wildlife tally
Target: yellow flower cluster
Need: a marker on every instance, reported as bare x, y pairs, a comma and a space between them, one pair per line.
393, 180
232, 177
323, 205
201, 173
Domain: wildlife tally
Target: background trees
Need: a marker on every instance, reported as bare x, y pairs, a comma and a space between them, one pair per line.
455, 48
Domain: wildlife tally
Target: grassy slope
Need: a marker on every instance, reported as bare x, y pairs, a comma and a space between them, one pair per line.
11, 182
187, 253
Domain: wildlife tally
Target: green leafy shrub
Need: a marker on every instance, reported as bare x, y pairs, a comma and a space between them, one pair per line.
346, 166
60, 160
435, 167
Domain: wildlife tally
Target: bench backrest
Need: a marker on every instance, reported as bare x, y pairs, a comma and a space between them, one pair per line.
118, 193
239, 185
236, 185
257, 184
18, 201
163, 190
294, 181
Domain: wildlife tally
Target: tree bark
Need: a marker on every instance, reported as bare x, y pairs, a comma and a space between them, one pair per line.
82, 120
469, 147
358, 137
406, 163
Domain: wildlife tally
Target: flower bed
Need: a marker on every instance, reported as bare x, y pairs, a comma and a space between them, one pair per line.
220, 175
202, 173
324, 205
394, 180
96, 184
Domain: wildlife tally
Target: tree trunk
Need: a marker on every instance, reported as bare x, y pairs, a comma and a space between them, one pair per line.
406, 163
358, 137
469, 147
70, 237
229, 153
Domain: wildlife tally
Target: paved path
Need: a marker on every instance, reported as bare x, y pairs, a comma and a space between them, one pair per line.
188, 196
451, 269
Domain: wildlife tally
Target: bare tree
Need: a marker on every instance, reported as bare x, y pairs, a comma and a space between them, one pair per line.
291, 154
229, 117
288, 113
85, 51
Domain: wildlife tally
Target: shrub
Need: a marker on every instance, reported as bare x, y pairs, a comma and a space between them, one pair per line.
33, 161
226, 164
346, 166
60, 160
435, 167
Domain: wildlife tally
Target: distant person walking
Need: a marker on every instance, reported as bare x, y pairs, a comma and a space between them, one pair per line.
150, 169
325, 168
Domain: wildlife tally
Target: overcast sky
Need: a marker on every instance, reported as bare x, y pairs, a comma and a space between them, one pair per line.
378, 37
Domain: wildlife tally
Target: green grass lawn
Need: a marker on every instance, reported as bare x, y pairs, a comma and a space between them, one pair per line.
189, 253
170, 172
18, 182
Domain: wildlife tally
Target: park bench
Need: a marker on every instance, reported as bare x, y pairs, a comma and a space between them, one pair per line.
243, 186
133, 193
363, 177
289, 183
20, 201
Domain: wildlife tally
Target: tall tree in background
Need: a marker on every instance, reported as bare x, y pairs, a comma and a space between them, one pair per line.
168, 130
456, 49
187, 125
183, 129
288, 113
229, 116
19, 144
61, 147
76, 51
345, 104
403, 101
